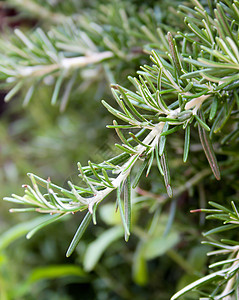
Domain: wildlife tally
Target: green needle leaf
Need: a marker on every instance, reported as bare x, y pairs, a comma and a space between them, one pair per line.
151, 159
172, 130
13, 91
203, 124
213, 109
158, 160
139, 173
79, 233
208, 149
57, 88
163, 139
127, 205
186, 143
174, 53
167, 179
125, 225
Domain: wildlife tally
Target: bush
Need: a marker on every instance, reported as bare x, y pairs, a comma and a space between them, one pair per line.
175, 159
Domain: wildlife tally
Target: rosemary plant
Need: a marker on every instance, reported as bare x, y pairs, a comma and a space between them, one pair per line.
191, 82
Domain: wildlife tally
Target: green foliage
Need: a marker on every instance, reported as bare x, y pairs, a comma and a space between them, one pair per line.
191, 81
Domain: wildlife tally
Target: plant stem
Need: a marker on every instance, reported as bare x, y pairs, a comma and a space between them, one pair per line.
65, 63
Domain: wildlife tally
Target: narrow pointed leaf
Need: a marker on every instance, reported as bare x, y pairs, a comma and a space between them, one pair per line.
167, 179
123, 219
13, 91
139, 173
186, 143
163, 139
130, 105
213, 109
158, 160
150, 163
120, 135
126, 148
220, 229
79, 233
172, 130
57, 88
127, 205
28, 95
174, 53
203, 124
208, 149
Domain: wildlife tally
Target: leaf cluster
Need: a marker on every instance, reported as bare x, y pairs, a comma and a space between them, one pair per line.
192, 81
